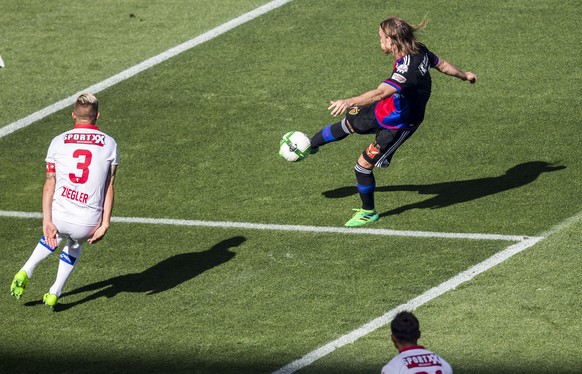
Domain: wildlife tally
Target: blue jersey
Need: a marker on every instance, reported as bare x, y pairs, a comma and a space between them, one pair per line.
411, 79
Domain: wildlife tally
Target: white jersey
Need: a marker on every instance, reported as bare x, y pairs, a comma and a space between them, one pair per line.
417, 360
82, 160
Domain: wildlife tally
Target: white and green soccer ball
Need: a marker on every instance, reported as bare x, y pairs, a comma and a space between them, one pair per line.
294, 146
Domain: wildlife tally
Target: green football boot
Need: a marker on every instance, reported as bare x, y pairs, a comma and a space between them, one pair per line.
19, 284
50, 299
362, 217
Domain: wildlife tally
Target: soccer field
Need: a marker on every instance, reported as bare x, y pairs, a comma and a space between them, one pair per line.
224, 258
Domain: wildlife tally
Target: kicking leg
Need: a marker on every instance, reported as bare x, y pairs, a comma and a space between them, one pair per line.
331, 133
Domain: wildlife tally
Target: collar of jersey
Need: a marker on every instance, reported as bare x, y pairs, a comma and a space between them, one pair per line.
400, 59
86, 126
411, 347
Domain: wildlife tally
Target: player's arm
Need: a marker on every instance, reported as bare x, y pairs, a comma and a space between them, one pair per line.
447, 68
107, 209
383, 91
48, 227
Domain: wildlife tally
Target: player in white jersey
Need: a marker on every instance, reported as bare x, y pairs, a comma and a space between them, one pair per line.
412, 358
77, 198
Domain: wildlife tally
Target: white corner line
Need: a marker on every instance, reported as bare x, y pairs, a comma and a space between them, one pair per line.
296, 228
422, 299
136, 69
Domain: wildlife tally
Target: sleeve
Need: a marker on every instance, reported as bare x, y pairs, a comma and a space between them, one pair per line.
391, 367
114, 155
432, 59
396, 81
403, 75
50, 157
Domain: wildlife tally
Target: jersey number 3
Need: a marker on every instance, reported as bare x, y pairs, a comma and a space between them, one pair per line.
82, 166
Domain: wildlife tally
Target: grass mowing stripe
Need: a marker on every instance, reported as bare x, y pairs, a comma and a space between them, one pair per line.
411, 305
136, 69
275, 227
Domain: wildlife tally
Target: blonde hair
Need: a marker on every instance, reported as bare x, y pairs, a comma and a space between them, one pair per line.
402, 34
87, 107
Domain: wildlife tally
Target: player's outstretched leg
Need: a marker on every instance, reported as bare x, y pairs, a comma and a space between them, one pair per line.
19, 284
330, 133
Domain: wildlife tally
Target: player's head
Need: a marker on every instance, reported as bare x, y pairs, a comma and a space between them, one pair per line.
86, 109
405, 329
397, 36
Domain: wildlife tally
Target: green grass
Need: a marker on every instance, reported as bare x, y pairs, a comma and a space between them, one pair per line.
53, 52
223, 297
198, 138
520, 317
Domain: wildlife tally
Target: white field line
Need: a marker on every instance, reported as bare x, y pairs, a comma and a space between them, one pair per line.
275, 227
429, 295
523, 243
136, 69
411, 305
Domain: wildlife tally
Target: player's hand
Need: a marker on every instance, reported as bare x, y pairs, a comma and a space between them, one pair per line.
471, 77
338, 107
98, 235
50, 234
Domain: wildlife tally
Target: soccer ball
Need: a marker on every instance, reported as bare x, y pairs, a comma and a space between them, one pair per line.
294, 146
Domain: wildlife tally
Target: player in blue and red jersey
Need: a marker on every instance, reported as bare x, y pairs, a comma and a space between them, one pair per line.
392, 112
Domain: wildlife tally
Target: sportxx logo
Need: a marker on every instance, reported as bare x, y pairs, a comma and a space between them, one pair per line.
80, 138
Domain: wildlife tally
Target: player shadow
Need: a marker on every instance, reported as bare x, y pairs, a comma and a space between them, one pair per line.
161, 277
450, 193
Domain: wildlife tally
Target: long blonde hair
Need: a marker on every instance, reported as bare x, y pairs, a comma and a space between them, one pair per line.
402, 34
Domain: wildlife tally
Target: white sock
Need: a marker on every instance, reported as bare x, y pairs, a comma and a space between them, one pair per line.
41, 252
69, 257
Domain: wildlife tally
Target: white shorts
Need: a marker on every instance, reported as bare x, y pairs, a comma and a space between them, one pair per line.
77, 233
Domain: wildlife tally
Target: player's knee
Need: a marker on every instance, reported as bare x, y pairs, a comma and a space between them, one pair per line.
362, 170
364, 162
347, 126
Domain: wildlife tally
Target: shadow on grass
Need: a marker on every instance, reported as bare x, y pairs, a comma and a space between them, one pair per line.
36, 362
159, 278
450, 193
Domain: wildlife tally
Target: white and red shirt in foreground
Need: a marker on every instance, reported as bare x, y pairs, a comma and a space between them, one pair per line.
82, 160
417, 360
